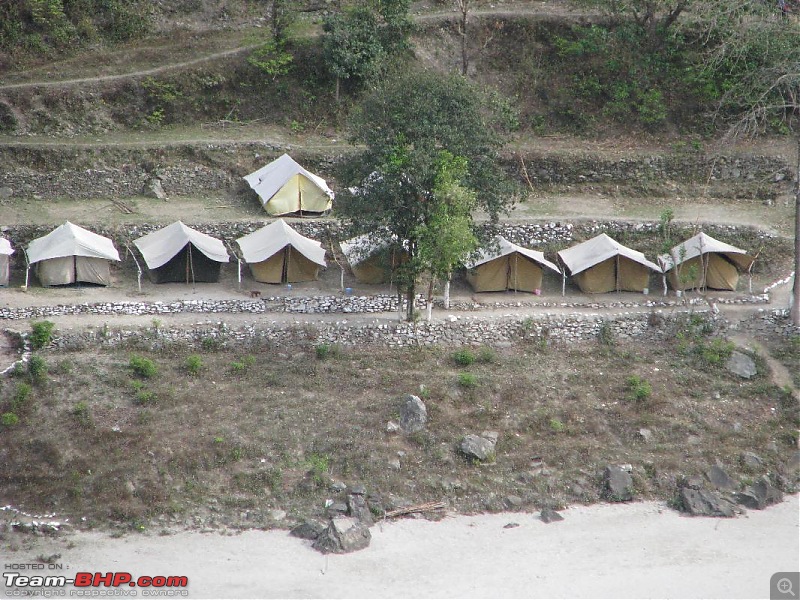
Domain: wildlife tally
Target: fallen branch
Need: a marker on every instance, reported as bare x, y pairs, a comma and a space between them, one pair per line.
407, 510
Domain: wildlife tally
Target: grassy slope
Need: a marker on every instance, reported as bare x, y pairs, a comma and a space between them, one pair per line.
249, 435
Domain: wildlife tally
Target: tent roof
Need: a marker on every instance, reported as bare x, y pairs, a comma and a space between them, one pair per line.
271, 239
71, 240
504, 248
704, 244
594, 251
270, 178
5, 247
160, 246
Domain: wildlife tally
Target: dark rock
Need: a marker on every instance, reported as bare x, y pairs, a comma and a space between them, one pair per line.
705, 503
751, 460
358, 508
308, 530
760, 495
358, 490
720, 479
550, 516
337, 487
510, 525
618, 484
413, 414
343, 535
478, 448
742, 365
337, 508
512, 501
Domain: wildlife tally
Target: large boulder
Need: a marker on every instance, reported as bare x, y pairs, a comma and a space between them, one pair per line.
705, 503
720, 479
308, 530
476, 447
358, 508
760, 495
154, 189
343, 535
742, 365
413, 414
548, 515
618, 484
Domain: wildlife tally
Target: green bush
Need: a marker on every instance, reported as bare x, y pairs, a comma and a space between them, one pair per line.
639, 389
82, 414
193, 364
714, 353
486, 355
557, 426
37, 369
324, 351
464, 357
9, 419
41, 334
467, 380
145, 397
143, 367
22, 396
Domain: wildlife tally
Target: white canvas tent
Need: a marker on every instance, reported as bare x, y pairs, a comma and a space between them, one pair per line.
276, 253
5, 260
602, 264
372, 260
507, 266
71, 254
704, 262
178, 253
285, 187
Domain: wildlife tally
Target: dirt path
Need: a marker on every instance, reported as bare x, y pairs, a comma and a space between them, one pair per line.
779, 374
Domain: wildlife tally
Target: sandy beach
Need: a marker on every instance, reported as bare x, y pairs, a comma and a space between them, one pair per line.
638, 550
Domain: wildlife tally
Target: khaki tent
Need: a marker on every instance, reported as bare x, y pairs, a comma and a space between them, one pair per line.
178, 253
72, 254
507, 267
371, 261
602, 264
703, 262
5, 260
278, 254
285, 187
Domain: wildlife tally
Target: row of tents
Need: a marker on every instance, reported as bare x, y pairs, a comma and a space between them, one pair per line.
277, 253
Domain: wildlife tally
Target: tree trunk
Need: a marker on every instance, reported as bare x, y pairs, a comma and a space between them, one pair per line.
795, 312
447, 291
429, 307
410, 293
463, 6
337, 89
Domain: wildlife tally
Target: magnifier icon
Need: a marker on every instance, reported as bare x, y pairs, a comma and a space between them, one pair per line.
785, 587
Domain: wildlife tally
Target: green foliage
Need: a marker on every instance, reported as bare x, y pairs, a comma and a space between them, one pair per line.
162, 98
45, 26
318, 466
37, 369
22, 396
193, 364
605, 334
464, 357
82, 414
9, 419
210, 344
272, 59
41, 334
486, 355
556, 425
715, 352
639, 389
142, 367
145, 397
467, 380
324, 351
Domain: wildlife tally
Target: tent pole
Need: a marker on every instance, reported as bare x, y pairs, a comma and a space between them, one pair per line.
27, 268
563, 282
616, 275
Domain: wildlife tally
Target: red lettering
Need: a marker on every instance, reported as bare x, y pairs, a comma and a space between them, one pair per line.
122, 578
106, 580
83, 579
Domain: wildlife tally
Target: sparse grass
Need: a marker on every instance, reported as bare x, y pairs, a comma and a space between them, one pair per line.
37, 369
82, 414
467, 380
193, 364
639, 389
326, 351
9, 419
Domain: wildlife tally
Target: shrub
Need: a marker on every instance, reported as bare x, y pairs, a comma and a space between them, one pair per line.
21, 396
144, 397
318, 465
556, 425
486, 355
714, 353
143, 367
639, 389
210, 344
464, 357
37, 369
41, 334
193, 364
9, 419
82, 414
606, 334
324, 351
467, 380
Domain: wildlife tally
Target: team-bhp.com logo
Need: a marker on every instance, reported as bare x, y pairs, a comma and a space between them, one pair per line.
95, 585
